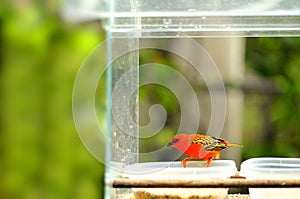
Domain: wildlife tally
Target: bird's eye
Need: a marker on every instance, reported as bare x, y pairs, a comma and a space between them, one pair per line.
175, 140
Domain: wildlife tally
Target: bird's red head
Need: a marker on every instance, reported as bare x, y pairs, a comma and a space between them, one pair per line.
180, 141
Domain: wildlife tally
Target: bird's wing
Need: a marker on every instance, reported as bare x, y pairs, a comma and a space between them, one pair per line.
208, 142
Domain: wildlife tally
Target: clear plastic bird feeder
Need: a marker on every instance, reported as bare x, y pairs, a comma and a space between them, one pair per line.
126, 22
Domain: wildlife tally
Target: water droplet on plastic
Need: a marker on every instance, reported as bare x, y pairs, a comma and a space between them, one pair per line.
167, 21
192, 10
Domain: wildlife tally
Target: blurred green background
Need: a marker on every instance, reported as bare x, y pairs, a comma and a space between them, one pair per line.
272, 109
41, 155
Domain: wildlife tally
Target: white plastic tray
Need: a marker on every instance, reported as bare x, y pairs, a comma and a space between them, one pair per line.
174, 170
272, 168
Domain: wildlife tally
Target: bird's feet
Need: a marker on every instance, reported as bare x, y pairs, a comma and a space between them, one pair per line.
208, 162
183, 162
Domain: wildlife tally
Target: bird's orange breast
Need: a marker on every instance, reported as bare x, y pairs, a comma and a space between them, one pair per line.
197, 151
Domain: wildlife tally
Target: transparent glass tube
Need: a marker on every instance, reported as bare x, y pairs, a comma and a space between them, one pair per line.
122, 110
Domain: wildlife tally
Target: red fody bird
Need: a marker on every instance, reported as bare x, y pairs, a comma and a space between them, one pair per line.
199, 146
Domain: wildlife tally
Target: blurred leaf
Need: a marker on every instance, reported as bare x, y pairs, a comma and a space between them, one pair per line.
277, 60
41, 154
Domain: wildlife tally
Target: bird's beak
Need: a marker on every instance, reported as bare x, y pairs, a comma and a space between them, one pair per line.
169, 144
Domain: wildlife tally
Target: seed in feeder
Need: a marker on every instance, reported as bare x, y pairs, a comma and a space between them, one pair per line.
180, 193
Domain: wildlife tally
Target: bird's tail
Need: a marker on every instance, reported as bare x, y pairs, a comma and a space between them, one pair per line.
233, 144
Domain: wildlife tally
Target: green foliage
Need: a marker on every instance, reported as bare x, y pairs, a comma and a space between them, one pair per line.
152, 94
40, 152
277, 61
